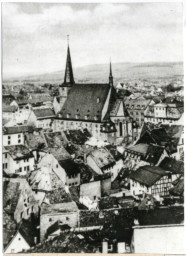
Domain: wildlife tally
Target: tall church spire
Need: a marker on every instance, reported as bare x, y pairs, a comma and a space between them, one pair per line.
110, 75
69, 77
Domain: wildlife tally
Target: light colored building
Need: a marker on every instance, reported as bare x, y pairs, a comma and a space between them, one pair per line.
41, 118
15, 135
159, 239
66, 213
151, 180
17, 160
165, 113
102, 161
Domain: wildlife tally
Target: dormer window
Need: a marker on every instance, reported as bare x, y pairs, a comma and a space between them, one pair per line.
86, 117
98, 100
95, 118
76, 116
67, 115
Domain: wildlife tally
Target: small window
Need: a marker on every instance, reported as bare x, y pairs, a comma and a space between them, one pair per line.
19, 135
67, 218
8, 142
9, 137
6, 155
50, 219
28, 168
98, 100
56, 165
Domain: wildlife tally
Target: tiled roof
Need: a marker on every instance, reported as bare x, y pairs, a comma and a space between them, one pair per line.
57, 208
172, 165
11, 196
35, 141
102, 157
8, 108
77, 136
54, 139
18, 129
141, 148
69, 166
58, 196
19, 152
42, 113
154, 153
85, 101
173, 131
45, 179
136, 104
148, 175
59, 153
178, 189
7, 99
9, 228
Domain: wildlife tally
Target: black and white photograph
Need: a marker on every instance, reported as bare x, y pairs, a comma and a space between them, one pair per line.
92, 127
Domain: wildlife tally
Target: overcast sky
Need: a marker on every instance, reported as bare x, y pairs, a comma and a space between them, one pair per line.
34, 35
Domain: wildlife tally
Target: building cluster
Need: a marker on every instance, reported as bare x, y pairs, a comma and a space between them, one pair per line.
96, 168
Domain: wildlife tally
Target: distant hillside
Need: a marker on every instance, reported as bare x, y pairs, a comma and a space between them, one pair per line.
121, 72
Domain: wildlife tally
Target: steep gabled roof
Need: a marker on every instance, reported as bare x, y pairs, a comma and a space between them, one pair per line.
45, 179
42, 113
18, 129
85, 102
148, 175
172, 165
69, 166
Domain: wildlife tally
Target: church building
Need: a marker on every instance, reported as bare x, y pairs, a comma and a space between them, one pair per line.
92, 106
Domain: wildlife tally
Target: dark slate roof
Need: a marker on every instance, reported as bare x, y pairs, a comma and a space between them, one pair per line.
9, 228
28, 231
161, 216
77, 136
58, 196
172, 165
18, 129
42, 113
8, 108
85, 100
148, 175
11, 196
57, 225
19, 152
154, 153
69, 166
178, 189
7, 99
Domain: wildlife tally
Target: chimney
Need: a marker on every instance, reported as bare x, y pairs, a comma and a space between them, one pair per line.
104, 247
35, 239
85, 158
121, 247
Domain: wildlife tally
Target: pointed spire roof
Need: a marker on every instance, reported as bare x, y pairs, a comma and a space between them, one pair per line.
110, 75
69, 77
110, 69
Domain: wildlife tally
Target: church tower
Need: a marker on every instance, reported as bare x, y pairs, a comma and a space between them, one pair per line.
65, 87
110, 76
